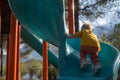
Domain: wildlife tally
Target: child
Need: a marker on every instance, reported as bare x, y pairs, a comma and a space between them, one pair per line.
89, 45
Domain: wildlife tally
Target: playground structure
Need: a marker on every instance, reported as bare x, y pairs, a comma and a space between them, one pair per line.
44, 19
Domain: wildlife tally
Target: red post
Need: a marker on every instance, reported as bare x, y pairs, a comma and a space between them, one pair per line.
13, 51
45, 60
18, 53
70, 17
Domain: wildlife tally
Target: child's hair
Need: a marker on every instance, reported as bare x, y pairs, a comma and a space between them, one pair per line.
86, 26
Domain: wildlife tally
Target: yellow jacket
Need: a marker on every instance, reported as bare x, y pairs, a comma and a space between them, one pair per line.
88, 38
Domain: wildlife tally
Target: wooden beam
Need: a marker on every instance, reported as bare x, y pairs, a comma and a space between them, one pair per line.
45, 60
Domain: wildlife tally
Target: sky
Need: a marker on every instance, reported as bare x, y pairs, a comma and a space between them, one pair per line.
106, 21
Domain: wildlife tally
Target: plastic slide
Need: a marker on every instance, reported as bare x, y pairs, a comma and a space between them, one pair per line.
36, 44
44, 19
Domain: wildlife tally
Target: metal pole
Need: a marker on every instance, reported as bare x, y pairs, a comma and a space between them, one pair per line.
45, 60
12, 73
18, 53
70, 16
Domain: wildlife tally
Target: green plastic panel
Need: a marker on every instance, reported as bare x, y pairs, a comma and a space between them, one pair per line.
41, 17
44, 19
109, 58
35, 43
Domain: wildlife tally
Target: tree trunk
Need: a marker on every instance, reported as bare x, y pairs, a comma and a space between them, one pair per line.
76, 15
2, 38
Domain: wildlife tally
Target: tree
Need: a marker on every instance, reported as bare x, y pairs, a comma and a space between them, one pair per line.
103, 38
3, 42
114, 37
22, 69
52, 72
34, 68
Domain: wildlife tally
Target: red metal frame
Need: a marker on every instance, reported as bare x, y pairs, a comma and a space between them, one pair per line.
13, 55
45, 60
70, 17
13, 61
18, 53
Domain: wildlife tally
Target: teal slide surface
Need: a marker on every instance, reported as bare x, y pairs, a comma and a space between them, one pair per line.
36, 44
44, 19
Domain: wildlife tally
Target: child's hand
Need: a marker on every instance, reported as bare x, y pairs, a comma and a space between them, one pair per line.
68, 35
